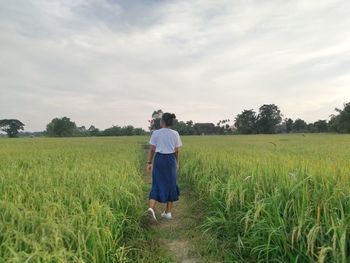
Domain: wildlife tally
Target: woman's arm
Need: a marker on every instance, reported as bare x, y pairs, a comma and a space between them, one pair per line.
151, 152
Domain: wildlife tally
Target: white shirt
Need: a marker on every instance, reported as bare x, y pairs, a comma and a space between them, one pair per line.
165, 140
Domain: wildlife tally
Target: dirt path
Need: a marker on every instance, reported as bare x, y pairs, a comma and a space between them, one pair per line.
174, 235
180, 237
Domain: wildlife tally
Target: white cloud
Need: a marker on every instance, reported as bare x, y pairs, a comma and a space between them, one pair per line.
117, 61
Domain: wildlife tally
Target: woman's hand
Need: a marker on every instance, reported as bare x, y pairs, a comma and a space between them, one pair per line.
177, 166
149, 168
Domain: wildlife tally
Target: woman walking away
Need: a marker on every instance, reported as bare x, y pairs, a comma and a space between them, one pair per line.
164, 147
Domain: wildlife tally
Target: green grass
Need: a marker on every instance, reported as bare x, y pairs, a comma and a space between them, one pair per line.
274, 198
70, 200
282, 198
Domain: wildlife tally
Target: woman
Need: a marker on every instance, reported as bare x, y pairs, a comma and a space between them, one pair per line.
164, 147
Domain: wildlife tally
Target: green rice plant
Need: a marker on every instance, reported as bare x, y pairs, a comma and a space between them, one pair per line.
71, 200
269, 198
280, 198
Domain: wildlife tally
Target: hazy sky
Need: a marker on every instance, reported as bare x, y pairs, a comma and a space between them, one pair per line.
113, 62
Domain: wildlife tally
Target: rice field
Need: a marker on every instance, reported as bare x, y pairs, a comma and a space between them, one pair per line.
70, 200
282, 198
278, 198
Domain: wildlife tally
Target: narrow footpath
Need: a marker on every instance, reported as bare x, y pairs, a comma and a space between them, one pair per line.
180, 238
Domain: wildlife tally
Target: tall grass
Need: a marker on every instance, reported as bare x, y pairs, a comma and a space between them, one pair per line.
274, 198
269, 198
70, 200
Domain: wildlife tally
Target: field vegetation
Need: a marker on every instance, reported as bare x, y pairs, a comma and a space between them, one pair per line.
264, 198
71, 200
278, 198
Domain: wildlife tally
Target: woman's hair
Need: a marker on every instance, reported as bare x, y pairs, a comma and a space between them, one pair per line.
168, 118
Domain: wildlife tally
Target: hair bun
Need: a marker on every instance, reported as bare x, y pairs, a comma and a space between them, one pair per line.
173, 116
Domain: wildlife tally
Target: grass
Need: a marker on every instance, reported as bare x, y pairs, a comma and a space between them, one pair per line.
282, 198
71, 200
274, 198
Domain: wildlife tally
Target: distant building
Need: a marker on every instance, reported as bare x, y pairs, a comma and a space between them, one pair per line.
204, 128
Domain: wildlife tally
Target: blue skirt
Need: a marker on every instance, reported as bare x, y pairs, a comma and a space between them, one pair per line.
164, 186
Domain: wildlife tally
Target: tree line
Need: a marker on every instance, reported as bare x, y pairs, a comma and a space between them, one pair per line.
64, 127
268, 120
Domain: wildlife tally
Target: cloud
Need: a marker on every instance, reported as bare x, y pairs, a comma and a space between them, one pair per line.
116, 61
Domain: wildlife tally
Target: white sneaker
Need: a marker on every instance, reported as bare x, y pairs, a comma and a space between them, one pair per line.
151, 214
166, 215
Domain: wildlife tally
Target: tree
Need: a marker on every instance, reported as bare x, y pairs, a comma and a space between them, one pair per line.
204, 128
93, 131
289, 125
341, 122
246, 122
80, 132
321, 126
311, 128
182, 128
300, 126
190, 128
115, 130
189, 123
334, 123
127, 130
11, 127
61, 127
139, 131
223, 127
268, 119
155, 121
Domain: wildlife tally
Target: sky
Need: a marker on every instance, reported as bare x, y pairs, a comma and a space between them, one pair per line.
112, 62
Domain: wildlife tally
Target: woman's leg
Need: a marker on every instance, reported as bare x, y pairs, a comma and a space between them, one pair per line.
169, 206
152, 203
